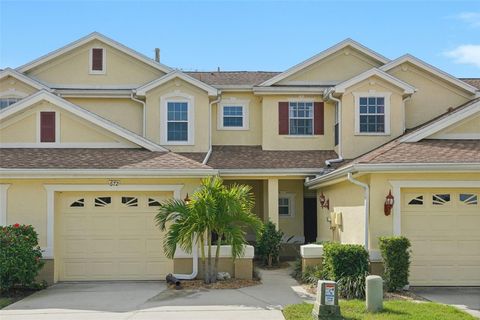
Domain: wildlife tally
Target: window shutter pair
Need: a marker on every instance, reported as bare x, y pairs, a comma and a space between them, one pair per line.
283, 118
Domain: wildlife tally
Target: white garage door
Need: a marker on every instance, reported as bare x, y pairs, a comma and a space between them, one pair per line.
110, 236
444, 228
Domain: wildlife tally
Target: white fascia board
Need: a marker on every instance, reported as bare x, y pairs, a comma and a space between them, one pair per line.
316, 182
287, 89
324, 54
428, 67
82, 113
407, 89
23, 78
106, 173
94, 36
442, 123
269, 172
141, 91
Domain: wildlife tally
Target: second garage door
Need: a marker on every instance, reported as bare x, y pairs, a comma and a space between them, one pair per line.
110, 236
443, 226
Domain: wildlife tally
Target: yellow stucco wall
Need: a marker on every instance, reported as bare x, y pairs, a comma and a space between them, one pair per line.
252, 136
337, 67
471, 125
12, 87
154, 125
347, 199
124, 112
72, 68
292, 226
433, 97
23, 131
354, 144
271, 140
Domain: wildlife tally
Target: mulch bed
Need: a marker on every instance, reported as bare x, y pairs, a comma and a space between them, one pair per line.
17, 294
224, 284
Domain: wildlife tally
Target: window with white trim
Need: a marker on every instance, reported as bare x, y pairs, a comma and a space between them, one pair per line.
286, 204
300, 116
97, 61
233, 114
177, 121
372, 114
6, 102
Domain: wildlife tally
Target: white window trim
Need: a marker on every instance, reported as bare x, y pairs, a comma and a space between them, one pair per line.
245, 104
386, 96
313, 118
3, 203
57, 128
104, 62
177, 96
291, 201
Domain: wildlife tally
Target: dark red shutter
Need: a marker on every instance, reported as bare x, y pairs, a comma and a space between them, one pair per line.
97, 59
318, 118
47, 126
283, 118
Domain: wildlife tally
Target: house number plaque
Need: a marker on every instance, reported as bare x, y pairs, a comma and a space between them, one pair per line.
113, 183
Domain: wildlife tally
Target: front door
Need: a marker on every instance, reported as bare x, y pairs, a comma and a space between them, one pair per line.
310, 219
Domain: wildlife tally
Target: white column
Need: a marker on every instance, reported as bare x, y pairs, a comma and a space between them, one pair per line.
273, 200
3, 204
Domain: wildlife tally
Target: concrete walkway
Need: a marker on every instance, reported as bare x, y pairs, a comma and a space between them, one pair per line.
151, 300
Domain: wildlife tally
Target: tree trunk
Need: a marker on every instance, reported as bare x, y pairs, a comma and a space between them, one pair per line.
217, 259
270, 258
208, 270
202, 252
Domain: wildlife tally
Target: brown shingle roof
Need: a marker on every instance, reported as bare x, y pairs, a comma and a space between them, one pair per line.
253, 157
248, 78
94, 159
472, 81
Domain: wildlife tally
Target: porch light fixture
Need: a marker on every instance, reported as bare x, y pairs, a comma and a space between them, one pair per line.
324, 202
187, 199
389, 200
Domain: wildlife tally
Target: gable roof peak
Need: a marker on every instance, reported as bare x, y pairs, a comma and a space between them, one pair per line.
20, 76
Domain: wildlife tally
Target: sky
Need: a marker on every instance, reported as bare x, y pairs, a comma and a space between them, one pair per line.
248, 35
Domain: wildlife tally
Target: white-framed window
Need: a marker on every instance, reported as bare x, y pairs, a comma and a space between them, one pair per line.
300, 115
48, 127
177, 112
286, 204
97, 60
372, 113
233, 115
7, 101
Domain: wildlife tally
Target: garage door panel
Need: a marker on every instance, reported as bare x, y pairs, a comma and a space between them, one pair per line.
112, 241
445, 237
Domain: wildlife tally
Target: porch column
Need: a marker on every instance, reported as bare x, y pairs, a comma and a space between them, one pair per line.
272, 200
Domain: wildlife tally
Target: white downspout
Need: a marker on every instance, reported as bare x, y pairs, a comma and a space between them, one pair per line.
366, 201
207, 156
404, 101
144, 111
194, 273
339, 106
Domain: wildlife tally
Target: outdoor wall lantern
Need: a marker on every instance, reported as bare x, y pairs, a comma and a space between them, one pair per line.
187, 199
324, 203
389, 200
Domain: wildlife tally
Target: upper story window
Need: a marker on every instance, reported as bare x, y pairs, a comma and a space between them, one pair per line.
177, 118
97, 61
233, 115
48, 130
372, 113
177, 121
5, 102
300, 118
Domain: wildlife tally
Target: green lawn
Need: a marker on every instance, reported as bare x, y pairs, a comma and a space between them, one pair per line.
4, 301
393, 309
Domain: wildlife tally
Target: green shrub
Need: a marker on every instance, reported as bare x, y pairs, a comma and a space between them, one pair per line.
396, 259
340, 260
312, 274
19, 257
352, 287
269, 244
297, 269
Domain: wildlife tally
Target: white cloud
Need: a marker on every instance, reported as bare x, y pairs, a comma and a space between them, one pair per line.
466, 54
472, 18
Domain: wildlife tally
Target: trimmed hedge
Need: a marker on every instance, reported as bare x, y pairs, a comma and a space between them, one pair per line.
343, 260
396, 259
19, 257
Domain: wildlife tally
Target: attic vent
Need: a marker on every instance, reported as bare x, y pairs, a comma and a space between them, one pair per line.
97, 60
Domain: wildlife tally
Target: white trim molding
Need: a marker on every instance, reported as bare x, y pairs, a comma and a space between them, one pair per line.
104, 61
234, 102
177, 96
82, 113
398, 185
370, 94
342, 87
3, 203
322, 55
52, 188
23, 78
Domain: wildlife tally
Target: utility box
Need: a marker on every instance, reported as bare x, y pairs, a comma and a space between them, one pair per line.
326, 306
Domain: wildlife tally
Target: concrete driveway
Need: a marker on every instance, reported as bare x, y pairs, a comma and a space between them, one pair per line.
152, 300
465, 298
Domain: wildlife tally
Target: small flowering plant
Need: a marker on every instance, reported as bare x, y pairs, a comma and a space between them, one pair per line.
20, 256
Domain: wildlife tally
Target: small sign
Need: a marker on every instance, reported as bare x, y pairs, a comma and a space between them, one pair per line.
113, 183
329, 294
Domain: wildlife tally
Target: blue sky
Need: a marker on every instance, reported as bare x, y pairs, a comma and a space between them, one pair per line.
248, 35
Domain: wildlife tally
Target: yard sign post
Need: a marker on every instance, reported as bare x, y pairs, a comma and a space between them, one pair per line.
326, 306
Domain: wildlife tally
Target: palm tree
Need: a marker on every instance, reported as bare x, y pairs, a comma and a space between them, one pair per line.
214, 208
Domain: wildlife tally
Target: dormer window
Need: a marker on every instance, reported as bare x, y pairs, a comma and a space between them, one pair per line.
97, 61
372, 113
5, 102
